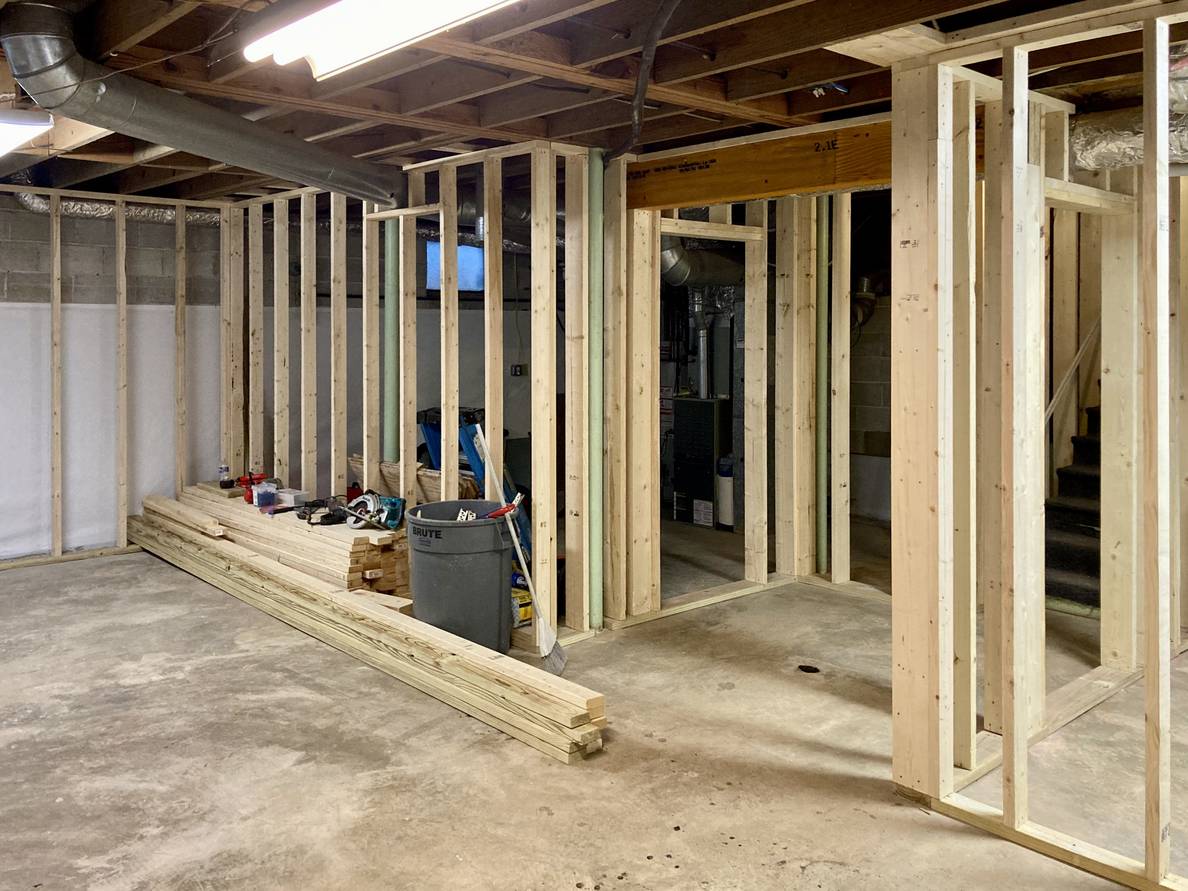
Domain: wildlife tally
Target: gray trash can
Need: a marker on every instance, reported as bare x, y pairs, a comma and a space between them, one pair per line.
460, 571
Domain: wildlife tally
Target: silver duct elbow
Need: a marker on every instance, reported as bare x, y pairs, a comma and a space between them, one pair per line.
38, 41
681, 267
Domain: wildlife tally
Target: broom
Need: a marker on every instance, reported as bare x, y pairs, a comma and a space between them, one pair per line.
550, 649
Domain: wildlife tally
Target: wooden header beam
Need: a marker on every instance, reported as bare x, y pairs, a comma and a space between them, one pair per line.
819, 160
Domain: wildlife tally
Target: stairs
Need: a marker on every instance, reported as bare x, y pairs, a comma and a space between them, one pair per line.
1072, 539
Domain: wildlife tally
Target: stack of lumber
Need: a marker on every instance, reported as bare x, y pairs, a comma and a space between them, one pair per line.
368, 559
555, 716
428, 481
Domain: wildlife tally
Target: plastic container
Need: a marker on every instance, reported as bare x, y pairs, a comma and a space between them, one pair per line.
460, 572
264, 494
725, 492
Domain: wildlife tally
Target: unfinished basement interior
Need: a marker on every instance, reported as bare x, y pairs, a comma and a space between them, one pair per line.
594, 444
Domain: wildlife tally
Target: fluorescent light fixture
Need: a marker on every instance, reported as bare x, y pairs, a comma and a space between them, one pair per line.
351, 32
18, 126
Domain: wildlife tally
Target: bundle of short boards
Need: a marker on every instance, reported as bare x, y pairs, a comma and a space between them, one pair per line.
332, 582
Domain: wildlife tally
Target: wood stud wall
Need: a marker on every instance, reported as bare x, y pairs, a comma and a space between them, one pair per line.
56, 375
255, 329
493, 321
231, 396
447, 184
577, 457
839, 394
121, 296
242, 385
372, 367
123, 347
965, 697
281, 344
408, 343
631, 589
338, 344
181, 430
803, 259
921, 457
309, 344
544, 381
642, 413
1116, 243
1155, 482
938, 255
784, 411
754, 399
616, 237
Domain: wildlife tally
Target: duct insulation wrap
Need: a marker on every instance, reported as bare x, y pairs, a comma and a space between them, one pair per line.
1108, 140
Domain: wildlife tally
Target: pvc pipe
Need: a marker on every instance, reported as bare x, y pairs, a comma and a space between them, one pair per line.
391, 398
822, 456
594, 497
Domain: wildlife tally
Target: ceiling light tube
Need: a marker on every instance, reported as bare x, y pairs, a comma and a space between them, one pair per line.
350, 32
18, 126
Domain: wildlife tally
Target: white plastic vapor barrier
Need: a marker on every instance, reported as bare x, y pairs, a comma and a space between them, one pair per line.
88, 416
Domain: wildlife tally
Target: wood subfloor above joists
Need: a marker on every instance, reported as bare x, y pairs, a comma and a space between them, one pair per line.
556, 69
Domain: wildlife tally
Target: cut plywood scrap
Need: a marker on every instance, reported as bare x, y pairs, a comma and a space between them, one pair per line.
550, 714
893, 46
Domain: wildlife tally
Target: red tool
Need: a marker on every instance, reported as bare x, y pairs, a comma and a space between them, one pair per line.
506, 509
246, 482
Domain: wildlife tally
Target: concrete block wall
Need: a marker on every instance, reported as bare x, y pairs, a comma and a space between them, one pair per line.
870, 385
88, 260
870, 417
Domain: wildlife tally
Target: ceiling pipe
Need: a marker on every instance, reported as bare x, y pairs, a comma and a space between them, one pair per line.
38, 41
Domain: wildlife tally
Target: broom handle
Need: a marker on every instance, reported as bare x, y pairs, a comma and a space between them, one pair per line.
547, 638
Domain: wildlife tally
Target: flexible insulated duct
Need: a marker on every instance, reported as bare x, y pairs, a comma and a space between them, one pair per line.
1108, 140
38, 41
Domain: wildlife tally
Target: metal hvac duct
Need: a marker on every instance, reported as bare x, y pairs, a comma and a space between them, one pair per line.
683, 267
38, 40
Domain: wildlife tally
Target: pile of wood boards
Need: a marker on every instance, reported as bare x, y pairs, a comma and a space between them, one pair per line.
428, 481
367, 559
555, 716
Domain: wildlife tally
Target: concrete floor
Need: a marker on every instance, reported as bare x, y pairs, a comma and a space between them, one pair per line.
693, 558
157, 733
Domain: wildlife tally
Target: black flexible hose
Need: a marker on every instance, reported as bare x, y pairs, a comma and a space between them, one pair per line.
646, 60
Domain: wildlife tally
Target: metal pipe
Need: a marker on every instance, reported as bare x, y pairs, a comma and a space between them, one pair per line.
594, 498
700, 325
38, 42
391, 398
822, 456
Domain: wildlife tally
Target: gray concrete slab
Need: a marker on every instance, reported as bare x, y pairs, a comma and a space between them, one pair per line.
157, 733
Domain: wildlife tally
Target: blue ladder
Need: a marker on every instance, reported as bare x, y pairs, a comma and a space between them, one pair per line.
467, 434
